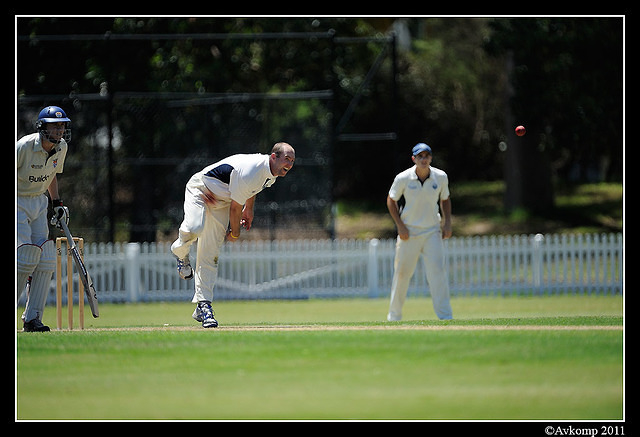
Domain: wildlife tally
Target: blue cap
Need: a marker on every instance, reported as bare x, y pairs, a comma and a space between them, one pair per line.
421, 147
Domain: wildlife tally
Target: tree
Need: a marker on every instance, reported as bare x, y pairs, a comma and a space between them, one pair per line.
564, 77
566, 88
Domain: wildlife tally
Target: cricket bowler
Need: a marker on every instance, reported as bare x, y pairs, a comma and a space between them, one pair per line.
218, 202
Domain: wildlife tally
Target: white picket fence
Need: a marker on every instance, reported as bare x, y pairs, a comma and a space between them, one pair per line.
300, 269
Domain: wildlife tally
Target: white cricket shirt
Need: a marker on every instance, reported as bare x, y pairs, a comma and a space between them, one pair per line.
238, 177
421, 210
36, 167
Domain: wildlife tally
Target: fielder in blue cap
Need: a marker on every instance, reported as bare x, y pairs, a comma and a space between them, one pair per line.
421, 229
421, 147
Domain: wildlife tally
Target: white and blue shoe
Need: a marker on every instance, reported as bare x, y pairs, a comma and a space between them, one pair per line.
204, 314
184, 268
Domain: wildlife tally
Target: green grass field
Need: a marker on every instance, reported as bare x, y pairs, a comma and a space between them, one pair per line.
502, 358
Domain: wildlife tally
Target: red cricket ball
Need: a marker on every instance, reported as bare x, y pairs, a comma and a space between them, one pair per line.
520, 131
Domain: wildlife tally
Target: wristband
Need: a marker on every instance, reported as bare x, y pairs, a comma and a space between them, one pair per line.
233, 236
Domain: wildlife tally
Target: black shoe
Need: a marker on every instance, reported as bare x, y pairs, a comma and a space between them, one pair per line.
35, 325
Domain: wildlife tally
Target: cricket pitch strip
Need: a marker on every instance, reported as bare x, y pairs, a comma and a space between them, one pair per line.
394, 327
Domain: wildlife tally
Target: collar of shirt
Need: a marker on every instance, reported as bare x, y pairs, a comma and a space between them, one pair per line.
414, 175
37, 147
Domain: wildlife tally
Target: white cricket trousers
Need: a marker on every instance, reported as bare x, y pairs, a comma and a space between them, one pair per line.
430, 246
208, 225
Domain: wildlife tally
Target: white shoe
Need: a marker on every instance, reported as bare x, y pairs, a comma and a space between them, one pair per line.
204, 314
393, 317
184, 268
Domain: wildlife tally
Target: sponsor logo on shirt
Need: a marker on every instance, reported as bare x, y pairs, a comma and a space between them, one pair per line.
38, 179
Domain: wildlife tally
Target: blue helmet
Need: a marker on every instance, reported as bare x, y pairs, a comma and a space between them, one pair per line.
53, 114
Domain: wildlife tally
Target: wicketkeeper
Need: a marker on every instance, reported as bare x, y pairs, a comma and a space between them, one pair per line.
40, 157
